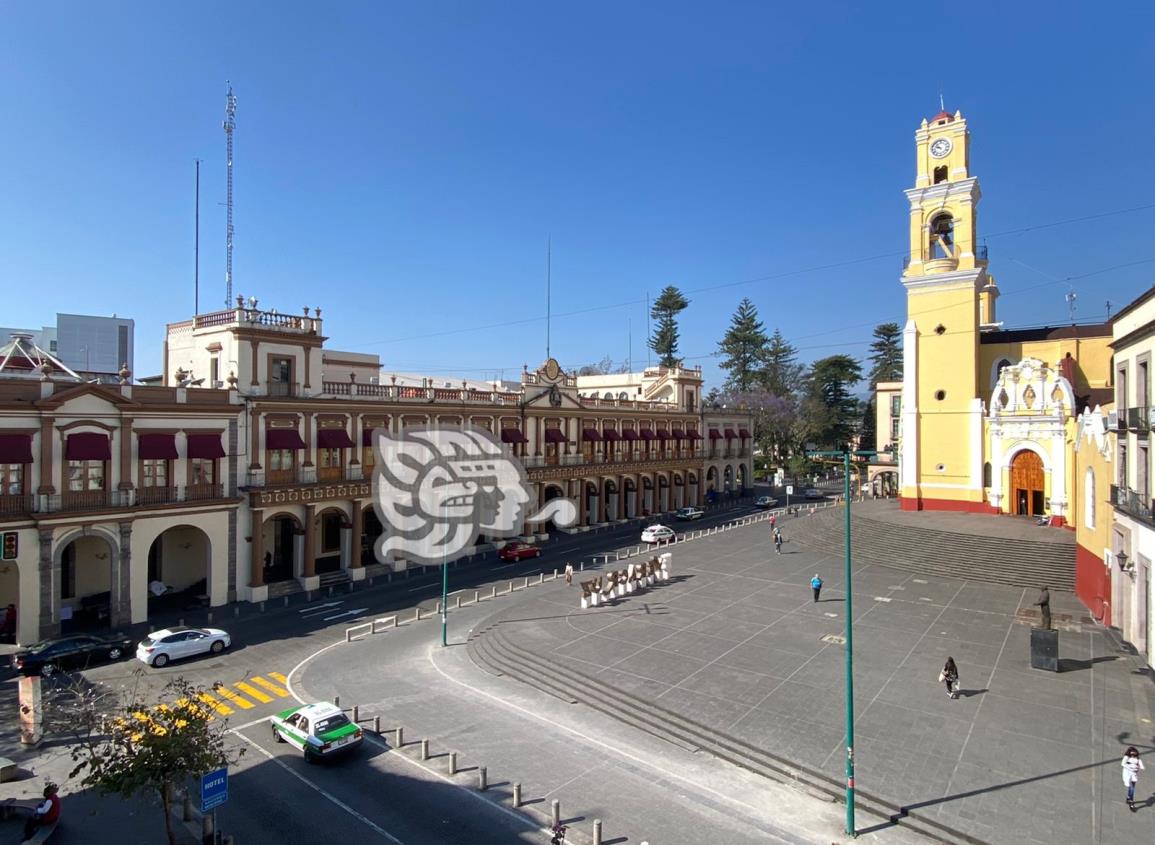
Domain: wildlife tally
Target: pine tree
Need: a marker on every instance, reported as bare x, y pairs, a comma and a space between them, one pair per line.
744, 346
664, 342
780, 371
886, 354
830, 413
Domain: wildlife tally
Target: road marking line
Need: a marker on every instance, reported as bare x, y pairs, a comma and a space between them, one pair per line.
329, 796
313, 608
253, 692
277, 676
247, 725
271, 687
223, 709
233, 698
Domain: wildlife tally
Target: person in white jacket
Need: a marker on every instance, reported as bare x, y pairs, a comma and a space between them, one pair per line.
1132, 765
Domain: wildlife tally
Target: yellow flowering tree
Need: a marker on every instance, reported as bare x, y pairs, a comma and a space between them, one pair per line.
155, 747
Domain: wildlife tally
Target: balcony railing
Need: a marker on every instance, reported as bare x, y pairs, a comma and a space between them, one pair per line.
281, 388
15, 505
1131, 503
79, 501
307, 475
1138, 419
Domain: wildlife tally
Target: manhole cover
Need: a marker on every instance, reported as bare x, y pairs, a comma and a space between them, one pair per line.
834, 639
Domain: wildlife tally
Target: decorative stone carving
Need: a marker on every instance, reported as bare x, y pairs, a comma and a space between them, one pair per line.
1029, 397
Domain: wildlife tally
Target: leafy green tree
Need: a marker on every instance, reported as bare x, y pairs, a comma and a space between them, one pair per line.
886, 354
604, 367
153, 747
665, 310
781, 371
743, 348
830, 413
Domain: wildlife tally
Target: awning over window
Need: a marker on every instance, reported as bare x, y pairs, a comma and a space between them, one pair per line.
662, 434
283, 438
513, 435
591, 434
677, 434
15, 448
89, 446
730, 434
715, 434
205, 446
611, 434
693, 435
334, 438
629, 434
646, 434
555, 435
156, 447
744, 432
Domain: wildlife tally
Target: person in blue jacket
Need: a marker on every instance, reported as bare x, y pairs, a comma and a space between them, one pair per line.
816, 585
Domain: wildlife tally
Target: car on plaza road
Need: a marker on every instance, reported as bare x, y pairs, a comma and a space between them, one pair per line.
765, 502
689, 513
168, 644
319, 730
813, 493
518, 550
75, 652
657, 534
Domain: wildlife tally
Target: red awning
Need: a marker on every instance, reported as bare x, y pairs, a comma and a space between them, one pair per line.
15, 448
205, 446
744, 432
591, 434
678, 434
88, 447
662, 434
629, 434
715, 434
646, 434
693, 435
513, 435
334, 438
555, 435
730, 435
156, 447
611, 434
283, 438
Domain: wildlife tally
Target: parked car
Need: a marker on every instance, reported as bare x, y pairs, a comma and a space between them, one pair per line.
319, 730
689, 513
160, 647
518, 551
76, 652
657, 534
813, 493
765, 502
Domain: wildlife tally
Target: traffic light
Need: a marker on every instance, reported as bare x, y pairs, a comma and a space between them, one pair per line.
11, 545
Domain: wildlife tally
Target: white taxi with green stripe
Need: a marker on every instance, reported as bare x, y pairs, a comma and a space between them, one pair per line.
319, 730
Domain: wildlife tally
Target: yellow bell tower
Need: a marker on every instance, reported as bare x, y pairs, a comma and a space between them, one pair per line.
950, 299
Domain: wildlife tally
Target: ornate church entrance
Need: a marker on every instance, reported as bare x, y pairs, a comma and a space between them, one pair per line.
1027, 484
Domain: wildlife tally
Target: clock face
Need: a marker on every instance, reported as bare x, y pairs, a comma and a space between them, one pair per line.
940, 148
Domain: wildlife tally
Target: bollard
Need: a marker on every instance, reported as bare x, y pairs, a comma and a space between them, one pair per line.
541, 577
555, 812
525, 582
416, 614
181, 621
400, 737
476, 596
555, 574
262, 607
437, 608
581, 566
493, 592
236, 610
511, 586
377, 725
350, 585
207, 835
336, 701
516, 795
597, 832
424, 749
456, 602
187, 809
482, 779
356, 712
330, 591
286, 601
452, 762
210, 618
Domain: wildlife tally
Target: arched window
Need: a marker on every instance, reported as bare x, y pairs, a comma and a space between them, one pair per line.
940, 174
608, 395
997, 370
941, 237
1089, 499
624, 395
987, 474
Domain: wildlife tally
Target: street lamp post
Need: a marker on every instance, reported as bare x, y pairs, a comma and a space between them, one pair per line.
444, 590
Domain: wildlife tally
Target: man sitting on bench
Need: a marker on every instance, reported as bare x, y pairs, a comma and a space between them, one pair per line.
46, 814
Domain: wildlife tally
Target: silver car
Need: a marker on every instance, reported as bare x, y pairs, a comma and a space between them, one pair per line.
168, 644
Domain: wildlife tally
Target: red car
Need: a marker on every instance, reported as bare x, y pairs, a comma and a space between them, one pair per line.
518, 551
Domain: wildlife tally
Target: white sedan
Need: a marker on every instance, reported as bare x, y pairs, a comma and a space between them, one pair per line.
159, 647
657, 534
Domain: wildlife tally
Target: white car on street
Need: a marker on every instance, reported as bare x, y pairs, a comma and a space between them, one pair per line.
689, 513
161, 647
657, 534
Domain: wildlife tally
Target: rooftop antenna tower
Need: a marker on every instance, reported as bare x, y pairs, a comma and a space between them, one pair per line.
548, 280
230, 124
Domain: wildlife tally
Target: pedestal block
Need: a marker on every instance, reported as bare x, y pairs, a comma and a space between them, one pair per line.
1045, 649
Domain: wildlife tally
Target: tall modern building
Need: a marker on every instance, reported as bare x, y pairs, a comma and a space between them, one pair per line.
95, 347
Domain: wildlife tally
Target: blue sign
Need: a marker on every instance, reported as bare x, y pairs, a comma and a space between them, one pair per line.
214, 789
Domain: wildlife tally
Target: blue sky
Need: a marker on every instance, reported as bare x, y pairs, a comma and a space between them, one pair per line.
402, 165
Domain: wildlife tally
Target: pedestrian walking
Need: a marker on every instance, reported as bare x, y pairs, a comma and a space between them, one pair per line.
1132, 765
569, 573
9, 624
777, 541
949, 676
773, 521
816, 585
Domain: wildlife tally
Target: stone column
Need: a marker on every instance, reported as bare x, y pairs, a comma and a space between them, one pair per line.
120, 603
257, 550
355, 544
49, 589
309, 564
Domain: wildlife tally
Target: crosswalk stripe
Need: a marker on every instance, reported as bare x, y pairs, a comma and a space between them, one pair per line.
271, 687
223, 709
277, 676
253, 692
232, 697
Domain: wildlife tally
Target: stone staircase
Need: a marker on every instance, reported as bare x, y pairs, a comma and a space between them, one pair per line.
334, 579
948, 554
497, 653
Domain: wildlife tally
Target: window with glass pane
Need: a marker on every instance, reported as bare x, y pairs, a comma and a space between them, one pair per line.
11, 479
154, 473
895, 405
368, 457
330, 458
281, 459
203, 471
85, 475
